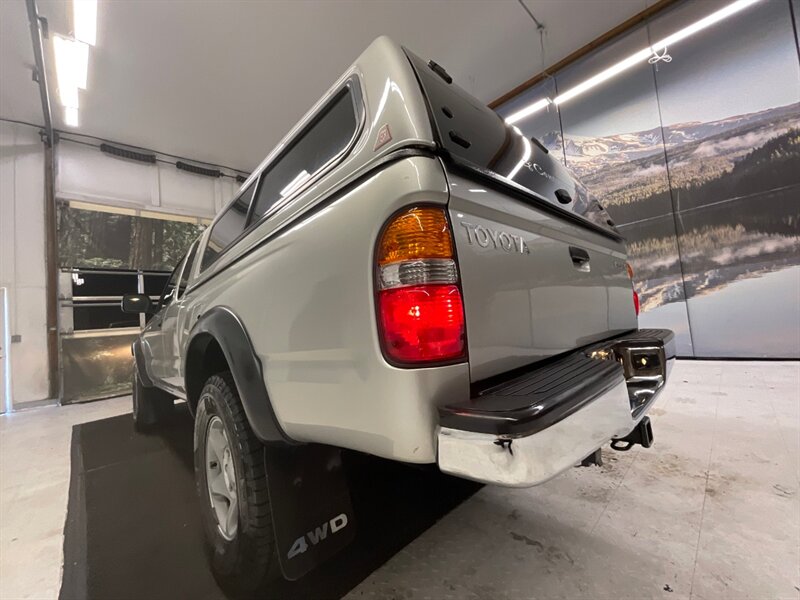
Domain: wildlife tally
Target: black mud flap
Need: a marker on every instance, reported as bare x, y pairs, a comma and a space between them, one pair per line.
312, 513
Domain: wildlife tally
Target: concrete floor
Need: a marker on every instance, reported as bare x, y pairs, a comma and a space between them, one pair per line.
711, 511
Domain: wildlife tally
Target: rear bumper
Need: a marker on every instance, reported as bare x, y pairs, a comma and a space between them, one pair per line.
529, 429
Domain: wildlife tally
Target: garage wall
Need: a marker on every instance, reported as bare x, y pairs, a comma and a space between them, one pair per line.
22, 268
85, 173
82, 173
697, 159
116, 217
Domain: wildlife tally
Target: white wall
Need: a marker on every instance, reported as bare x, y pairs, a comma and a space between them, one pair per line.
85, 173
82, 173
22, 268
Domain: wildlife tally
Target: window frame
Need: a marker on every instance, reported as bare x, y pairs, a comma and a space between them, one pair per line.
191, 257
177, 271
351, 84
254, 184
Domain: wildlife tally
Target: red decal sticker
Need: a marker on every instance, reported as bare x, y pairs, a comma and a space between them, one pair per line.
384, 137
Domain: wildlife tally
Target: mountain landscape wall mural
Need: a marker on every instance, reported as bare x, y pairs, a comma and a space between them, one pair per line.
707, 190
722, 162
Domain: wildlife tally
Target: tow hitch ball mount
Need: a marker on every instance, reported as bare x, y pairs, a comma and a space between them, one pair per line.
642, 434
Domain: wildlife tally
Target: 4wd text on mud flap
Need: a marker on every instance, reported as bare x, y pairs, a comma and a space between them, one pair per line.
300, 545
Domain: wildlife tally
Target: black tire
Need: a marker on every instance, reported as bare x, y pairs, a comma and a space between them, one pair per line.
247, 561
151, 406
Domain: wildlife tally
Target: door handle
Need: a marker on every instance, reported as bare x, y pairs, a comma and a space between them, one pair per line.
580, 259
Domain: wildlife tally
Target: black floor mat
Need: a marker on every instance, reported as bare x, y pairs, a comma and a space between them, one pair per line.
133, 525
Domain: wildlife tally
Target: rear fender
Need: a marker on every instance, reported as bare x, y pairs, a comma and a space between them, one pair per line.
309, 493
222, 326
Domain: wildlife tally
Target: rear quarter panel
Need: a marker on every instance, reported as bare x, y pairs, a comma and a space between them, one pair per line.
306, 297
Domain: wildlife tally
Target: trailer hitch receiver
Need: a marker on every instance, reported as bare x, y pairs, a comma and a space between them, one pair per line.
642, 435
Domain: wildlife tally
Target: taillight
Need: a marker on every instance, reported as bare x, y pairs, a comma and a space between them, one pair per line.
635, 295
420, 310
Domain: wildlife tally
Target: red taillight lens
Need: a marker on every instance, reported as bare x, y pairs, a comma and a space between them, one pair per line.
629, 268
422, 323
420, 309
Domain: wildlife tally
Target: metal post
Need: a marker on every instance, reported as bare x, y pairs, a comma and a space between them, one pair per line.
5, 354
51, 252
35, 23
51, 272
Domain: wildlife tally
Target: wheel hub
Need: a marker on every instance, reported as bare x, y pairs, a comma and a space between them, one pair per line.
221, 479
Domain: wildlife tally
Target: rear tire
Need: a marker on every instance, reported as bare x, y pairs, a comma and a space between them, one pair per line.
240, 544
151, 405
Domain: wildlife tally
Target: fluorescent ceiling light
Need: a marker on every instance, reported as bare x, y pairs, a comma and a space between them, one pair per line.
68, 96
72, 61
84, 20
72, 66
703, 23
602, 76
634, 59
70, 116
527, 111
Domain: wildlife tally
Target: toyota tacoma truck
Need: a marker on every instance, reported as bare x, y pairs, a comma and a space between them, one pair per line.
406, 276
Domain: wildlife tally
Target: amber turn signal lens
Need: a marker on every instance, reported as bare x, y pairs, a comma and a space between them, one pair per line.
630, 270
420, 232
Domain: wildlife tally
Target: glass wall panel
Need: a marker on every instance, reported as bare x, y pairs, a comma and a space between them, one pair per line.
102, 239
613, 142
96, 367
102, 252
730, 105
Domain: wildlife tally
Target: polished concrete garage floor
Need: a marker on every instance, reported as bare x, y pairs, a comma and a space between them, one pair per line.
711, 511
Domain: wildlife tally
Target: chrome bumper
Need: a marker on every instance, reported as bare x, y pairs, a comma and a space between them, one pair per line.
518, 460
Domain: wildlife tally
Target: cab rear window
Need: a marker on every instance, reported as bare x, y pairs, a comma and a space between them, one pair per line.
228, 226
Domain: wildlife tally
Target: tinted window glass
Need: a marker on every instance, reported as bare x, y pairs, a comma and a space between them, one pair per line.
328, 135
186, 270
228, 227
477, 136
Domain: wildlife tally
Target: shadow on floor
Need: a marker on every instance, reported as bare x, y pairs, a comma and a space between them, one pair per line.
133, 526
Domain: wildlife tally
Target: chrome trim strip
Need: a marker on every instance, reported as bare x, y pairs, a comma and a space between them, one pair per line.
418, 272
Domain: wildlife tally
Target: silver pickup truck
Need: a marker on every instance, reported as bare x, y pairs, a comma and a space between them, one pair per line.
407, 276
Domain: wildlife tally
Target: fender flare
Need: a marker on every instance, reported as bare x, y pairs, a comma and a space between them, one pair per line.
140, 364
221, 324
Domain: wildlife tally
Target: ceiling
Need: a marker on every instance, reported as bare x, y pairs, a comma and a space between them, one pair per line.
222, 82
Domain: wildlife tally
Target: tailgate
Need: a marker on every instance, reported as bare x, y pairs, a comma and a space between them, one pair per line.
542, 265
534, 284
